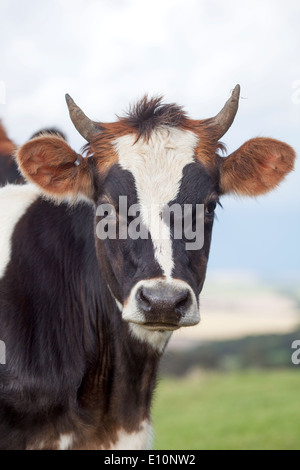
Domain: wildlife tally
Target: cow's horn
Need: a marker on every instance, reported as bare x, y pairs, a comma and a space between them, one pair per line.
85, 126
223, 120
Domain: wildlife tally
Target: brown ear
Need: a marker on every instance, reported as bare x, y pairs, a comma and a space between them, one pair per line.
257, 167
49, 162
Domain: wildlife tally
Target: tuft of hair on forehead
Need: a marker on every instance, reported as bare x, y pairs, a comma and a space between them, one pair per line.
149, 114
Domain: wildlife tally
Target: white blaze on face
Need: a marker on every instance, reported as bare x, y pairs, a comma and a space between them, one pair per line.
14, 201
157, 167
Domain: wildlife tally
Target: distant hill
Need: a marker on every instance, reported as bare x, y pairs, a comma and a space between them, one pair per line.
265, 351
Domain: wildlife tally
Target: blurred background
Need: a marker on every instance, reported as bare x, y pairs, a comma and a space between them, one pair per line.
229, 383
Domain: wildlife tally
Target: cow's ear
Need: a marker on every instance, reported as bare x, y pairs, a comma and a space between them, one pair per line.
257, 167
49, 162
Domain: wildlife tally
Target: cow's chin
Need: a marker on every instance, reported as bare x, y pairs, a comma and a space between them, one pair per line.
157, 326
156, 335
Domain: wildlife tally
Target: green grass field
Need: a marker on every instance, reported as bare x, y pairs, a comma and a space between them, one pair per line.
243, 410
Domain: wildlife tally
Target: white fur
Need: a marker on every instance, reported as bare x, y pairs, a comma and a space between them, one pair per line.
157, 167
157, 339
14, 201
65, 441
139, 440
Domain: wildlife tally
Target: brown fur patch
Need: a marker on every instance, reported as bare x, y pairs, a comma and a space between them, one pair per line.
48, 161
7, 147
256, 167
102, 149
208, 146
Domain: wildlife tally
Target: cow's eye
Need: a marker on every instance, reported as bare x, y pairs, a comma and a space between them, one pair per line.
210, 208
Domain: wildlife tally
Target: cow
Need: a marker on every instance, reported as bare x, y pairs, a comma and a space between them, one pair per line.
85, 318
9, 172
8, 167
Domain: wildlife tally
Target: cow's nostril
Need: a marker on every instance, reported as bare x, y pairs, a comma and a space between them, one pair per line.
143, 300
183, 301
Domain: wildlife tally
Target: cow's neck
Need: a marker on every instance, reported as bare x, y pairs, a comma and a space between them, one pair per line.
117, 389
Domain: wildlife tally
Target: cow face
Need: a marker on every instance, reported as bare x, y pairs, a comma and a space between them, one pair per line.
156, 277
155, 178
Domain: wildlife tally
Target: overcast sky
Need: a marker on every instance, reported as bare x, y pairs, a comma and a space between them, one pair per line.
106, 54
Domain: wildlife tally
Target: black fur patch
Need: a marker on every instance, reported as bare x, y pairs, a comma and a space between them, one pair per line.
49, 130
72, 366
9, 172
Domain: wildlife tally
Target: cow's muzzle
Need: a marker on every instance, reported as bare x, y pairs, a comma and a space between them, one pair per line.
157, 304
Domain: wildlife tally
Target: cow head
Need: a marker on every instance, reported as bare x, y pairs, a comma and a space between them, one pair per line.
148, 161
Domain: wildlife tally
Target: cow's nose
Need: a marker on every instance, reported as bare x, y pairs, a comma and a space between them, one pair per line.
165, 303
